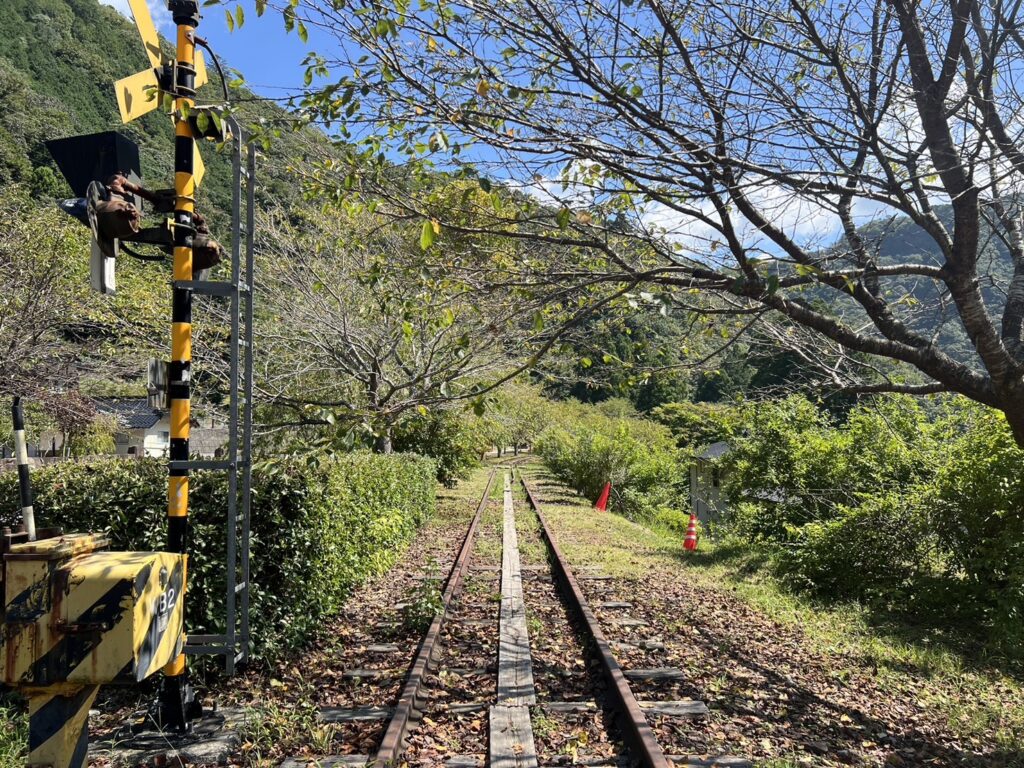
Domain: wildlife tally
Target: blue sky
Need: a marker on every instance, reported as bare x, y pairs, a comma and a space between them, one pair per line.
270, 59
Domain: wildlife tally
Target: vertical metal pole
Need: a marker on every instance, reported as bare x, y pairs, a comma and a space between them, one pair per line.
232, 540
250, 297
175, 694
28, 516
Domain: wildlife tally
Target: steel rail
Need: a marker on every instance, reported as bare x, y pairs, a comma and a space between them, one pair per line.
641, 737
411, 702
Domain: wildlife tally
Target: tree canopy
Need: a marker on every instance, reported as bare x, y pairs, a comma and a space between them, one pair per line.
757, 151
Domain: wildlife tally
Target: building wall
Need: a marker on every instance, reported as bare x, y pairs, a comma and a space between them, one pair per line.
706, 499
47, 443
157, 439
154, 442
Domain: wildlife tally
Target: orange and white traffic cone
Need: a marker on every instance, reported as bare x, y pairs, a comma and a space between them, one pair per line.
602, 501
690, 542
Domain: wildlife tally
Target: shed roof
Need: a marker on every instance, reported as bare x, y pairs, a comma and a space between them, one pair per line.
715, 451
130, 412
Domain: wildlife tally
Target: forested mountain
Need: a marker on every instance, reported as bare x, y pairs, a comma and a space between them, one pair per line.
58, 63
901, 241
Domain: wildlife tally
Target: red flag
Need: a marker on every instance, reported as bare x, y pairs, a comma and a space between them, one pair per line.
602, 501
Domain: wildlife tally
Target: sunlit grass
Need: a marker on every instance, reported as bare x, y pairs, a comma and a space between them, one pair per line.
13, 732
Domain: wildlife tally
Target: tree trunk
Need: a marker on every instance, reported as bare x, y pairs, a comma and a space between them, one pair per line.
383, 442
1015, 417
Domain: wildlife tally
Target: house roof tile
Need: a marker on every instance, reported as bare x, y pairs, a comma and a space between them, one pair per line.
130, 412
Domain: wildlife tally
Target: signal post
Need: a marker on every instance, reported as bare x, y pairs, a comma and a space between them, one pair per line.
76, 616
176, 696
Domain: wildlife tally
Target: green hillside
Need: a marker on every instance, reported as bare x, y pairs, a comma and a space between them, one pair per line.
58, 63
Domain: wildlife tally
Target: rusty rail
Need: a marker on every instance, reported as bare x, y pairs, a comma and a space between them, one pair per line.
411, 702
638, 732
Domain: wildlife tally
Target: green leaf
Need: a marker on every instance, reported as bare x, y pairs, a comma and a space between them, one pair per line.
538, 321
239, 16
303, 33
230, 20
261, 7
562, 218
427, 235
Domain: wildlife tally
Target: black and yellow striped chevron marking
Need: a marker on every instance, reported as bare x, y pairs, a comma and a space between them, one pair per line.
58, 718
99, 617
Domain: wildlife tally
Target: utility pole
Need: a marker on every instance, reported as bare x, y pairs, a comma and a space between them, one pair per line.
176, 698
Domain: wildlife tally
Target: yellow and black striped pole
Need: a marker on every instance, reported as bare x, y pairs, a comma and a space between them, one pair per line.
174, 704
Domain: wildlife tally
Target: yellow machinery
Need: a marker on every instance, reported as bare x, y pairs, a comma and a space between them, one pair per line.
76, 617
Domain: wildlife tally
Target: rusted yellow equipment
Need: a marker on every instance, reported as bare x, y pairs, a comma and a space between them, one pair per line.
77, 617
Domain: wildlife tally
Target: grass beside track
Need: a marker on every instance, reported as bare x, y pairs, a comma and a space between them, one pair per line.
983, 703
13, 732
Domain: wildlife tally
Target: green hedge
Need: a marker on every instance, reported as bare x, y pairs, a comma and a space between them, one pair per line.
318, 528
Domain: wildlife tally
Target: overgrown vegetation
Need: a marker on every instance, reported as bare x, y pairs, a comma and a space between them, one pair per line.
588, 446
423, 601
912, 508
13, 732
908, 509
318, 529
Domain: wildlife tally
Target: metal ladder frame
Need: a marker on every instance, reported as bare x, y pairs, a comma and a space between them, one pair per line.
234, 643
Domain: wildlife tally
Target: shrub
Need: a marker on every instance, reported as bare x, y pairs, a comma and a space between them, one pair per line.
979, 498
876, 551
638, 457
446, 436
318, 529
790, 465
893, 507
671, 520
795, 465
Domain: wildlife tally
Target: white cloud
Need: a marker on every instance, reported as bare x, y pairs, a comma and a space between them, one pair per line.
809, 222
158, 9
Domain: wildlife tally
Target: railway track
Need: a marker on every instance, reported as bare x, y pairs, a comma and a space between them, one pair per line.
515, 670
